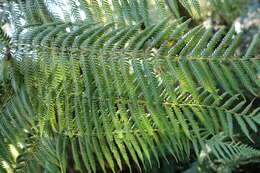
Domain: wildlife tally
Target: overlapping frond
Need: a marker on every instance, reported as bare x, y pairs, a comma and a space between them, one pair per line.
124, 12
119, 86
167, 37
117, 106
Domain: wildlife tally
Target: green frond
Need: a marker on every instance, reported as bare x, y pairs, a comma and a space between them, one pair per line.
127, 12
44, 12
111, 85
86, 8
132, 106
228, 151
4, 38
253, 46
188, 47
97, 10
32, 12
191, 5
75, 11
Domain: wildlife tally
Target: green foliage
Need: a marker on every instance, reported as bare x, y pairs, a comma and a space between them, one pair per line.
4, 38
121, 90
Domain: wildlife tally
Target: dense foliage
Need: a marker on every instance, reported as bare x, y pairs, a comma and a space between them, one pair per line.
126, 86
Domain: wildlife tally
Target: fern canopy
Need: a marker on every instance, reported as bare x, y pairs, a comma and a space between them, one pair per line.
121, 88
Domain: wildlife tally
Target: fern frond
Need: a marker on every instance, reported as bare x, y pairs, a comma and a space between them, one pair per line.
253, 46
225, 150
132, 106
75, 11
86, 8
125, 87
44, 11
4, 38
188, 47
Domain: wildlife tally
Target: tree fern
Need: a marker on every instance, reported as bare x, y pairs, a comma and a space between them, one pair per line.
122, 89
147, 100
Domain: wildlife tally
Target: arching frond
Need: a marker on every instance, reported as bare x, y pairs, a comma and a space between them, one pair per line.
138, 105
108, 85
230, 74
226, 150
